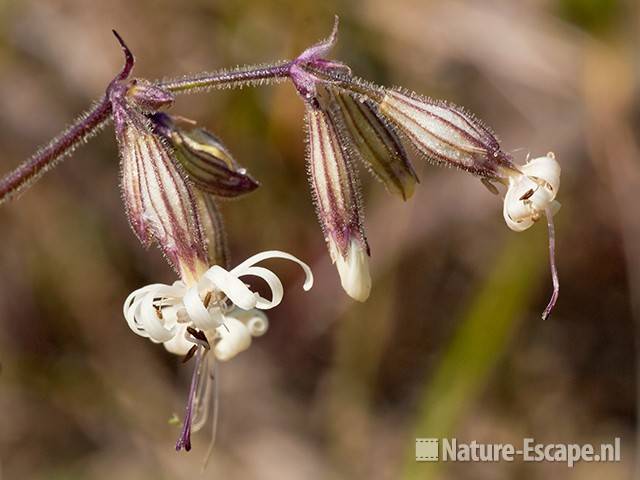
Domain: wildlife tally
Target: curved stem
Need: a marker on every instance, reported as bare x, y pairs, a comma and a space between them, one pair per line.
63, 145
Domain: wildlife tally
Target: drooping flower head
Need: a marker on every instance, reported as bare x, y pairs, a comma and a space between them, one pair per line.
169, 178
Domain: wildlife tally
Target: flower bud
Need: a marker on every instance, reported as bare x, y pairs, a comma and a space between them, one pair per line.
372, 140
446, 134
207, 162
337, 202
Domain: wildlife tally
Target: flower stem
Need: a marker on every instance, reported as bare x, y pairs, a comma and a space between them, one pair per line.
63, 145
250, 75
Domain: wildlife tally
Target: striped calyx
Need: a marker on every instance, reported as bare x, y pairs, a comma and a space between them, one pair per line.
446, 134
337, 201
159, 201
205, 159
369, 137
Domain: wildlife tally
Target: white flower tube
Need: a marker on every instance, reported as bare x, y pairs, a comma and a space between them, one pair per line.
353, 270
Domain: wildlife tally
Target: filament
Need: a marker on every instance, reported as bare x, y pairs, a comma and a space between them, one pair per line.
552, 262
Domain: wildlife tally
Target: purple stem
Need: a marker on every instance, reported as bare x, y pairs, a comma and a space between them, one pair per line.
184, 441
552, 262
245, 75
89, 123
61, 146
55, 150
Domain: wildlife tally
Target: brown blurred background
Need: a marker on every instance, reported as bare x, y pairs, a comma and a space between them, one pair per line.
450, 343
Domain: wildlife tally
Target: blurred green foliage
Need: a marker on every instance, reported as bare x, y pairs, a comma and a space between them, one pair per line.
594, 16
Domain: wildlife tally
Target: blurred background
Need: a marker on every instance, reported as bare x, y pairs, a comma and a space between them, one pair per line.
450, 343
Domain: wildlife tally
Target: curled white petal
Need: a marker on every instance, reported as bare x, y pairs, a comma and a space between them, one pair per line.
232, 286
255, 320
179, 344
152, 322
308, 282
274, 283
197, 312
219, 305
130, 307
546, 169
516, 212
144, 308
531, 192
234, 338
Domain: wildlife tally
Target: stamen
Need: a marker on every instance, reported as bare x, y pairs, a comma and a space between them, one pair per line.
527, 195
202, 400
552, 261
190, 354
184, 441
214, 416
199, 337
207, 300
490, 186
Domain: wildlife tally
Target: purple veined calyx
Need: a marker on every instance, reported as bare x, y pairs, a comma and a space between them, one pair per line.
337, 201
445, 133
207, 162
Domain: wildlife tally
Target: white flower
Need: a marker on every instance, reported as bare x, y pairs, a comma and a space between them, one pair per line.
531, 192
219, 305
